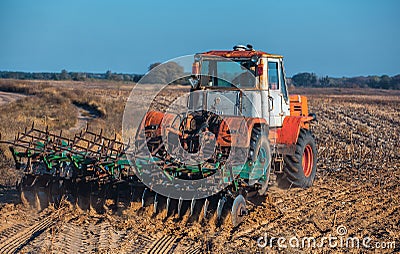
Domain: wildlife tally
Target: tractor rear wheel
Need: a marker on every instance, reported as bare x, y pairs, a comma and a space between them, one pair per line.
300, 168
260, 156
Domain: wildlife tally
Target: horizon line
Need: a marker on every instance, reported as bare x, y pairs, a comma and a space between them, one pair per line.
132, 73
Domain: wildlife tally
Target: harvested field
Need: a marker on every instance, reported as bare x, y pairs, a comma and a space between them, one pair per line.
355, 194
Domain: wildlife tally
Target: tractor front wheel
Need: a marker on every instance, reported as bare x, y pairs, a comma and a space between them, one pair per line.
300, 168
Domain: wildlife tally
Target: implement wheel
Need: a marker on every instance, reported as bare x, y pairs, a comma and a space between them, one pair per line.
238, 210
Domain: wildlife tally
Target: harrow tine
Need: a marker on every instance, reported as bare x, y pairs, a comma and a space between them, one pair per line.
192, 205
34, 181
180, 206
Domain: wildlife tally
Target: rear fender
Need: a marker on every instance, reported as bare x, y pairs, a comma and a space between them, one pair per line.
290, 130
151, 124
157, 125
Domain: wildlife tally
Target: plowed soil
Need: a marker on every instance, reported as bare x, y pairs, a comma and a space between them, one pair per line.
355, 194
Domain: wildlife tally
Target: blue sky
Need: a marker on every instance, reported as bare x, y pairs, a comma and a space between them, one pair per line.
335, 38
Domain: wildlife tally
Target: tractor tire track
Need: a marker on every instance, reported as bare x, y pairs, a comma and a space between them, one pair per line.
164, 244
91, 237
141, 243
19, 240
12, 230
108, 239
135, 243
194, 250
69, 239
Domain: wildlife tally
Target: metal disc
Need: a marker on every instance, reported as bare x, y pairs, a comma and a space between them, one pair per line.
192, 205
264, 188
205, 208
144, 197
155, 204
180, 206
238, 210
220, 207
132, 193
168, 202
27, 192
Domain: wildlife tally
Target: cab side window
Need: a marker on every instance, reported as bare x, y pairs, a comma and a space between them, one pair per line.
283, 84
273, 82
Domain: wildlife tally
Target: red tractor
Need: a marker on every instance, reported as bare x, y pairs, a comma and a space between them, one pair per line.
239, 99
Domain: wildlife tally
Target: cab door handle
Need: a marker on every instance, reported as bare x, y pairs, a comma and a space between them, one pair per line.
270, 103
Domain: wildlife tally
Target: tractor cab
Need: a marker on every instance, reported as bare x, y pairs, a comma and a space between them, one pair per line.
242, 81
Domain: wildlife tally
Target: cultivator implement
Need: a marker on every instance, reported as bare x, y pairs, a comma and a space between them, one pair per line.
88, 156
89, 168
77, 168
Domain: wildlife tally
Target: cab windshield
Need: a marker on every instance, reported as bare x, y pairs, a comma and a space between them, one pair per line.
219, 73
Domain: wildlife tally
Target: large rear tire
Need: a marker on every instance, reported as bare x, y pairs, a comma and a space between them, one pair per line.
300, 168
260, 155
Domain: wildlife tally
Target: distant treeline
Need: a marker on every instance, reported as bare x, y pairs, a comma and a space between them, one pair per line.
65, 75
306, 79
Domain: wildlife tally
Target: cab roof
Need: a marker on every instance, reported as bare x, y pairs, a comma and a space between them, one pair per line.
240, 53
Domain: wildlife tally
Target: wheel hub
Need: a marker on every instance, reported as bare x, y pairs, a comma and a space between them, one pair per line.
307, 160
